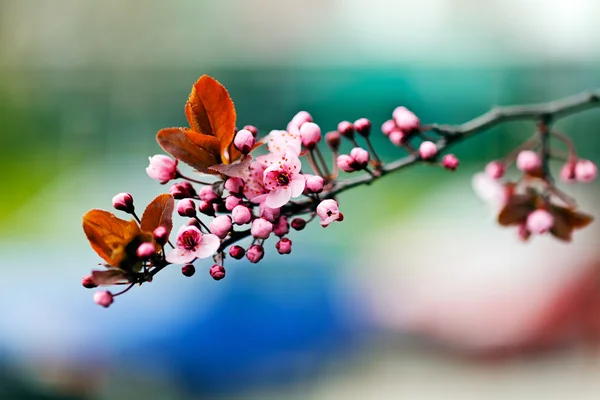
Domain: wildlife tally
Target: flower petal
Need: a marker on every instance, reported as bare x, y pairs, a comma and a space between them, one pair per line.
208, 246
297, 185
278, 197
180, 256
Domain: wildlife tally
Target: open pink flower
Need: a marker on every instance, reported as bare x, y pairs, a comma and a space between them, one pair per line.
192, 244
284, 142
283, 180
328, 210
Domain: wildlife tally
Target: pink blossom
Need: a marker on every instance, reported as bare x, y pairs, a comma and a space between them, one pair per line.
450, 162
255, 253
234, 185
206, 208
405, 119
231, 202
360, 157
345, 162
427, 150
253, 130
217, 272
529, 161
346, 129
208, 194
362, 127
162, 168
220, 226
300, 118
281, 227
241, 214
523, 232
88, 282
103, 298
283, 180
310, 134
333, 140
284, 142
585, 171
237, 252
123, 202
268, 213
314, 183
490, 190
539, 222
398, 137
495, 169
261, 228
328, 211
186, 208
182, 190
567, 172
161, 235
244, 141
388, 127
192, 244
145, 250
284, 246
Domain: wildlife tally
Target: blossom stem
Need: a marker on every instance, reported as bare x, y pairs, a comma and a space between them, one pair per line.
568, 142
202, 224
136, 217
313, 164
323, 163
373, 153
124, 290
187, 178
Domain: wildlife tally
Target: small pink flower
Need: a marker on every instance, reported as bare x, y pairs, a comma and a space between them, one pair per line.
237, 252
405, 119
585, 171
398, 137
314, 183
529, 161
539, 222
388, 127
345, 162
490, 190
217, 272
450, 162
427, 150
208, 194
186, 208
268, 213
328, 211
182, 190
362, 127
244, 141
253, 130
162, 168
123, 202
281, 227
241, 214
284, 142
346, 129
103, 298
192, 244
310, 134
283, 180
567, 172
88, 282
495, 169
234, 185
220, 226
145, 250
300, 118
360, 157
261, 228
284, 246
255, 253
161, 235
333, 140
206, 208
231, 202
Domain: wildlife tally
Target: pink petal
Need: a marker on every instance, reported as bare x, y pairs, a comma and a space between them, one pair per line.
278, 197
208, 246
297, 185
180, 256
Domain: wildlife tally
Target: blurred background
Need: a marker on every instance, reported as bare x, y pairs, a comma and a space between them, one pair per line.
418, 294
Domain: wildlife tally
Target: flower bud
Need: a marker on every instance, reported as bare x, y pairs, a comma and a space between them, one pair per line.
234, 185
182, 190
328, 210
310, 134
220, 226
427, 150
334, 140
298, 224
188, 270
281, 227
539, 222
231, 202
360, 157
244, 141
405, 119
284, 246
162, 168
529, 161
217, 272
206, 208
495, 169
103, 298
208, 194
585, 171
314, 183
161, 235
186, 208
241, 215
268, 213
261, 228
300, 118
255, 253
398, 137
88, 282
363, 127
346, 129
345, 162
237, 252
388, 127
450, 162
567, 172
146, 250
253, 130
522, 232
123, 202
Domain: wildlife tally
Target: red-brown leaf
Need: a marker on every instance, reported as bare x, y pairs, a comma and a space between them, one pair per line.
159, 213
239, 169
197, 150
516, 210
108, 234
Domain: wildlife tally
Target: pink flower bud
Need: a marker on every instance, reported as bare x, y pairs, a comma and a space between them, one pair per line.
234, 185
253, 130
217, 272
328, 210
261, 228
298, 224
585, 171
310, 134
314, 183
145, 250
281, 227
88, 282
161, 235
495, 169
123, 202
188, 270
334, 140
162, 168
186, 208
345, 162
220, 226
241, 215
244, 141
398, 137
405, 119
299, 119
208, 194
268, 213
182, 190
360, 157
363, 127
529, 161
206, 208
346, 129
388, 127
284, 246
427, 150
255, 253
450, 162
237, 252
103, 298
522, 232
567, 172
539, 222
231, 202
